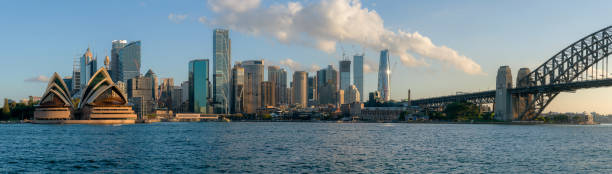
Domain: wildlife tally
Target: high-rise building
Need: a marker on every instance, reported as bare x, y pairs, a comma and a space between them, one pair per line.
358, 74
327, 85
312, 91
236, 105
198, 86
299, 89
76, 76
177, 99
68, 82
268, 94
154, 84
139, 92
185, 97
384, 71
278, 77
345, 74
352, 95
128, 65
222, 70
88, 67
166, 94
116, 47
253, 76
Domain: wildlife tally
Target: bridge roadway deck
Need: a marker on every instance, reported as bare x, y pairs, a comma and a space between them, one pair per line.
489, 96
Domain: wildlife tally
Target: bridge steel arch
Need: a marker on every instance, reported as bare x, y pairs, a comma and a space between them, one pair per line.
585, 59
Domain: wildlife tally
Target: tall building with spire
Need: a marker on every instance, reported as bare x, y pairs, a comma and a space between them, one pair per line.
221, 70
384, 71
88, 66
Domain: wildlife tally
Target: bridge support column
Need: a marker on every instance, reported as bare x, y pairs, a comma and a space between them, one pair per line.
521, 101
504, 110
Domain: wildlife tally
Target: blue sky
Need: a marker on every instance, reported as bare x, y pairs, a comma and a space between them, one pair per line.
42, 37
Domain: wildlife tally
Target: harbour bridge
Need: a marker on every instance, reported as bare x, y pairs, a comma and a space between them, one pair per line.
581, 65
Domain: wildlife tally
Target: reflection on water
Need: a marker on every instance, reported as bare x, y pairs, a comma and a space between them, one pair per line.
306, 147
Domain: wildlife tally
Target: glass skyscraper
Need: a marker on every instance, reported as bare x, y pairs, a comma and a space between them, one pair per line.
198, 86
88, 67
116, 47
129, 62
384, 71
358, 74
222, 70
345, 74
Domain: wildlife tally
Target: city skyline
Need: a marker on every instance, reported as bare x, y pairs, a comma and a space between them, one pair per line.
547, 44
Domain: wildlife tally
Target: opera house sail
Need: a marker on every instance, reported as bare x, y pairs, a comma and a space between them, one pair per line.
56, 103
101, 102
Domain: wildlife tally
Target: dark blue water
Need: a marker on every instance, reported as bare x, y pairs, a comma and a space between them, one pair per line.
305, 147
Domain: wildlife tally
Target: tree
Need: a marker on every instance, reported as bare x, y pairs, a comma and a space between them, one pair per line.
6, 110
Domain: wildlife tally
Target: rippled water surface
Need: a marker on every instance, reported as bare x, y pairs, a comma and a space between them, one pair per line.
305, 147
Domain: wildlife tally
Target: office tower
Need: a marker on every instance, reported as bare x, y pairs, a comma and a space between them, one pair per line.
139, 92
274, 74
281, 86
116, 47
88, 67
384, 71
300, 94
328, 85
128, 65
222, 70
198, 86
268, 94
340, 97
154, 82
76, 76
166, 94
185, 97
236, 105
352, 95
345, 74
358, 74
312, 91
176, 99
253, 76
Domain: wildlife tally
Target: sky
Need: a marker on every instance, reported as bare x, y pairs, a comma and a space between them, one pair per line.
437, 47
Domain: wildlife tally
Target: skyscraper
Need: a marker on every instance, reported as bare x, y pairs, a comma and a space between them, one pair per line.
345, 74
327, 85
236, 105
128, 65
278, 77
139, 92
88, 67
312, 91
116, 47
198, 86
154, 84
222, 70
299, 89
268, 94
384, 71
76, 76
166, 94
358, 74
253, 76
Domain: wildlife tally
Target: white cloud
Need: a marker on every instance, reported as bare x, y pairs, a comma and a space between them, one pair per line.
177, 18
202, 19
323, 23
233, 5
291, 64
38, 79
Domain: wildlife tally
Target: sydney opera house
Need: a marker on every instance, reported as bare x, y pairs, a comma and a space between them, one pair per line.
101, 102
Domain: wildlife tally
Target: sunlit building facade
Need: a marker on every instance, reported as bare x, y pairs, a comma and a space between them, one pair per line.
222, 70
198, 86
384, 73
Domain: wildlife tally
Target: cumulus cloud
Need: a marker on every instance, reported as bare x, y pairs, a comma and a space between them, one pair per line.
202, 20
38, 79
291, 64
323, 23
369, 68
177, 18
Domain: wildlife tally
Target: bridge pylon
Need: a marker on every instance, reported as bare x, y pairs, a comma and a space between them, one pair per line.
504, 110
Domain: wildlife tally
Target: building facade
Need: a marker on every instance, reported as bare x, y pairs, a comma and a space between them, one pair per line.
312, 91
300, 93
117, 45
222, 70
268, 94
198, 86
236, 105
88, 67
358, 74
384, 73
140, 95
128, 65
253, 76
345, 74
327, 85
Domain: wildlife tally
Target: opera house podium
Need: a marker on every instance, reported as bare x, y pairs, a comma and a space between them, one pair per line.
102, 102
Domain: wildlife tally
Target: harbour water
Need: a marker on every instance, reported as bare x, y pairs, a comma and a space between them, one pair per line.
241, 147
